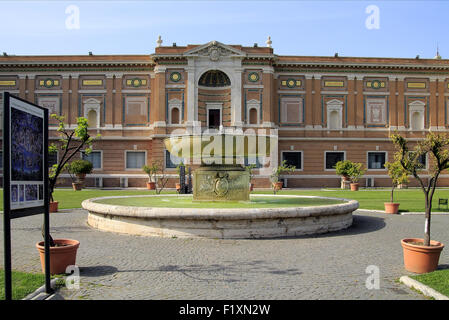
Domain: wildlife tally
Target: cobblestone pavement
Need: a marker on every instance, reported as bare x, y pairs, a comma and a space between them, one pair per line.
331, 266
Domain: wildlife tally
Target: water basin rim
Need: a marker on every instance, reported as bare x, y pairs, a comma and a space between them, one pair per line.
220, 214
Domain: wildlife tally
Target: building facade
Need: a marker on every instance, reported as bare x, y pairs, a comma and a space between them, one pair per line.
324, 109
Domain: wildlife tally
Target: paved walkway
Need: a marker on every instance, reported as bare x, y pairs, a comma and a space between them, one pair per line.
331, 266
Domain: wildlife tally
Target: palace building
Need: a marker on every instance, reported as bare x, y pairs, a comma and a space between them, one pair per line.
323, 109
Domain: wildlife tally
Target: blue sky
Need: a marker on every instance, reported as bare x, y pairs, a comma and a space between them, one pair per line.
406, 28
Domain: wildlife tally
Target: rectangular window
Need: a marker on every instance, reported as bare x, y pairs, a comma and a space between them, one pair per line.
52, 159
332, 158
171, 161
293, 158
376, 160
135, 159
422, 159
94, 157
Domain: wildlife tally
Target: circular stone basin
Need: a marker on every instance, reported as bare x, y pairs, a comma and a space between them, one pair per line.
265, 216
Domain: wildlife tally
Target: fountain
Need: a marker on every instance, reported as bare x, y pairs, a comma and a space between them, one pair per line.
221, 206
221, 175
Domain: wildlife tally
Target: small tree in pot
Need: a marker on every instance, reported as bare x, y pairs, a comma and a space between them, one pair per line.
343, 168
355, 173
154, 170
398, 176
80, 168
422, 254
151, 170
71, 143
283, 168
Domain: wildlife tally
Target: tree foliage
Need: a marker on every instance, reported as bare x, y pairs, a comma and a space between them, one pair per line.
436, 146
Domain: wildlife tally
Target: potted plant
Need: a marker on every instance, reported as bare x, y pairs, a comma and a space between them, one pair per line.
151, 171
355, 172
398, 176
342, 168
250, 168
63, 251
80, 168
281, 169
421, 255
157, 176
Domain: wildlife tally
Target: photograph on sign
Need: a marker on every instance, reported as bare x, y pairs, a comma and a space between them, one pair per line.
27, 154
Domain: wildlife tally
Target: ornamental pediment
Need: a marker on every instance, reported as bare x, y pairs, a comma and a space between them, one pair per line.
214, 50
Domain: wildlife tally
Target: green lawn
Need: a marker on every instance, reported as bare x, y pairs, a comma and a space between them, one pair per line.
437, 280
412, 200
186, 202
22, 284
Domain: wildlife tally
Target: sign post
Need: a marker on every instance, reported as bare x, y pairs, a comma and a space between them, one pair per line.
25, 174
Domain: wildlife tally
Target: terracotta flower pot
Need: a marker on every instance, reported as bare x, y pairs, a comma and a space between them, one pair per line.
53, 206
354, 187
277, 185
419, 258
151, 185
61, 256
391, 207
178, 187
77, 186
251, 187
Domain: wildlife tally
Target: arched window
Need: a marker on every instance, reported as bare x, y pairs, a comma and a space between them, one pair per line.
417, 121
253, 116
417, 111
174, 116
92, 119
214, 78
334, 120
334, 114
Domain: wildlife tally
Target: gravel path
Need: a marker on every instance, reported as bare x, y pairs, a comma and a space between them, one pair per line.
330, 266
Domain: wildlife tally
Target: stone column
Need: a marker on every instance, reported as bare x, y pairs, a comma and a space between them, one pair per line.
74, 100
433, 107
351, 109
400, 85
359, 103
117, 113
109, 98
30, 87
22, 86
192, 114
65, 103
309, 102
392, 103
441, 103
267, 80
317, 115
159, 114
236, 99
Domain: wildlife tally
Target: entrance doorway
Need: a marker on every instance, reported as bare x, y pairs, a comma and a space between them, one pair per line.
214, 118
